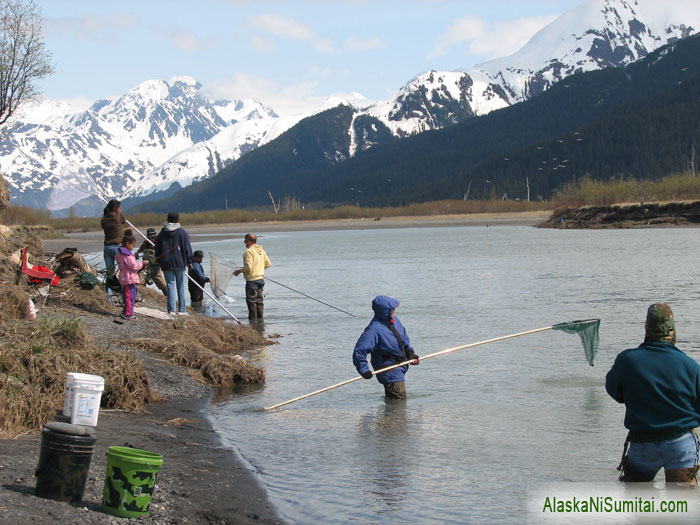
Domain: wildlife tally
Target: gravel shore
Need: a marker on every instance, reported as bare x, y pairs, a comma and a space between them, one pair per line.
200, 481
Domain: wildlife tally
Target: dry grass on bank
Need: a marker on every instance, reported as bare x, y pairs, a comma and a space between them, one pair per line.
35, 359
592, 192
14, 303
208, 346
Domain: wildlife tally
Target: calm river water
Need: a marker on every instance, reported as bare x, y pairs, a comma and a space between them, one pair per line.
481, 426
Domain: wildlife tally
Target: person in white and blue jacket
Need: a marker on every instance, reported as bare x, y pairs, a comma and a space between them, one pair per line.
386, 339
174, 255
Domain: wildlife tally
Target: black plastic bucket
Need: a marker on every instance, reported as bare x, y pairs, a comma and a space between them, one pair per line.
64, 462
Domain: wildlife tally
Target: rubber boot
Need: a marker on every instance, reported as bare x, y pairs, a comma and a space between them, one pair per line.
395, 390
682, 477
252, 308
630, 475
259, 306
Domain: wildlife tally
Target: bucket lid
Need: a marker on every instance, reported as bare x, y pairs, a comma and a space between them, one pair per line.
135, 455
68, 428
77, 376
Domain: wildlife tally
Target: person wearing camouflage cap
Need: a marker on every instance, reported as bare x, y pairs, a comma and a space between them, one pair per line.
660, 387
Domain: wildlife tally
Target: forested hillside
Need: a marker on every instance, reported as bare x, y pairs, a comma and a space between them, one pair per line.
604, 123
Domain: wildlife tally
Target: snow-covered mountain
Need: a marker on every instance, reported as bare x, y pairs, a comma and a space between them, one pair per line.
162, 135
594, 35
207, 157
121, 142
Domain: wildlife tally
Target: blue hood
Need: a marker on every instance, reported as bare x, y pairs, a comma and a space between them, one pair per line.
382, 306
124, 251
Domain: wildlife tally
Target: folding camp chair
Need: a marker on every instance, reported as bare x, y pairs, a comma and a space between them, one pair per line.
36, 276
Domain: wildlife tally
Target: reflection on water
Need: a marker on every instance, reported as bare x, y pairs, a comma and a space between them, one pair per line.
389, 475
480, 425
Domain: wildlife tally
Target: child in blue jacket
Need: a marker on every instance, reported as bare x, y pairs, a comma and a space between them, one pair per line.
196, 271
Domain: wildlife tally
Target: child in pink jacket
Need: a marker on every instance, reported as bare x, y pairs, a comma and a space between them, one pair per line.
128, 273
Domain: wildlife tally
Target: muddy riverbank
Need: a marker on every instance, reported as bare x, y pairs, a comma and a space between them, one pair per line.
638, 215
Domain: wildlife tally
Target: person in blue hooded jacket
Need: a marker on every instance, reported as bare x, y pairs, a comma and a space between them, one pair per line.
386, 339
660, 387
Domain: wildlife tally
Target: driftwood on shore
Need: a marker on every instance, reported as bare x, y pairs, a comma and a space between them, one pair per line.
625, 216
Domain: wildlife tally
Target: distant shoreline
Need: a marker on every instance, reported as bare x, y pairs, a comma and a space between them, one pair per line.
92, 241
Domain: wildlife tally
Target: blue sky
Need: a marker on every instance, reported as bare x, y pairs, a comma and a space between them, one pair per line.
290, 54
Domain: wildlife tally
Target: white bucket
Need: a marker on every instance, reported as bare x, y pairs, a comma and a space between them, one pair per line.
82, 398
71, 378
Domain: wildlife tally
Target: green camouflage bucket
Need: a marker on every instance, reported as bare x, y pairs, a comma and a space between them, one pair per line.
129, 481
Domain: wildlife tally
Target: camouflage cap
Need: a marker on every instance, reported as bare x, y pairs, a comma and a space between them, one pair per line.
660, 325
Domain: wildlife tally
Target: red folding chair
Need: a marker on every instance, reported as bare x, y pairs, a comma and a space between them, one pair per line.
36, 276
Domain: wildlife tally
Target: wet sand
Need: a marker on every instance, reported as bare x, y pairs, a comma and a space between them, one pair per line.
92, 241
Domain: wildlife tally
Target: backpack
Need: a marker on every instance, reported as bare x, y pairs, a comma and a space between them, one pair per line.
113, 283
87, 281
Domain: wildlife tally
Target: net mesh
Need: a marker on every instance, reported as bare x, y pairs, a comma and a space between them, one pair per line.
74, 185
220, 273
587, 331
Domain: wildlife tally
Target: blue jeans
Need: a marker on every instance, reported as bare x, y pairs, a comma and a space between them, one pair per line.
110, 254
648, 458
175, 281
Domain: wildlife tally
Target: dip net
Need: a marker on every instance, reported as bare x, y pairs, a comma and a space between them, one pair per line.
220, 273
73, 185
587, 331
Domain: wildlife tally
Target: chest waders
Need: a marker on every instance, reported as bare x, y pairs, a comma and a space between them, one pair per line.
153, 272
397, 390
254, 298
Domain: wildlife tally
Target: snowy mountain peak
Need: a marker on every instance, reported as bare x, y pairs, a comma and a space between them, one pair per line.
118, 142
185, 79
593, 35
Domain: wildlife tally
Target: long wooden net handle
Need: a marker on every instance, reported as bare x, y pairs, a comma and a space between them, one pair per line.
429, 356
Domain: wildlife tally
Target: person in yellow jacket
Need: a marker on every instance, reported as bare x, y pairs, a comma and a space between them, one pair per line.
255, 262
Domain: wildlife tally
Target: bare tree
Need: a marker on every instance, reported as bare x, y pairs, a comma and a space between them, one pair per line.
527, 181
692, 158
23, 60
275, 205
23, 55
